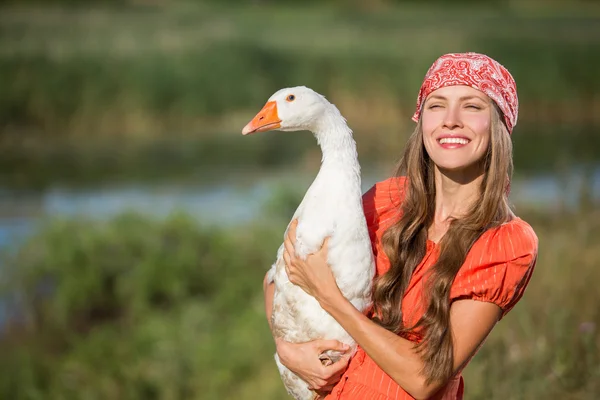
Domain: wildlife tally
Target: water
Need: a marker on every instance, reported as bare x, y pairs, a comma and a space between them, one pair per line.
229, 201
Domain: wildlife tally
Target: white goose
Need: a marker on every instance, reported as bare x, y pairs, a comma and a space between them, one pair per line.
332, 207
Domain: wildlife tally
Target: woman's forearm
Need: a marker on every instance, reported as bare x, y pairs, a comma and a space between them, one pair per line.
303, 358
394, 354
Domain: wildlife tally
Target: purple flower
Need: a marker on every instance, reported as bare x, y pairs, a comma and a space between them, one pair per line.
587, 327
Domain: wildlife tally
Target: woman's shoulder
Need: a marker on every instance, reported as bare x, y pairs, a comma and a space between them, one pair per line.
499, 265
511, 240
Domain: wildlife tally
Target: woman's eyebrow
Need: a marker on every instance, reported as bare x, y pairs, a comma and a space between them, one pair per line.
436, 97
463, 98
471, 97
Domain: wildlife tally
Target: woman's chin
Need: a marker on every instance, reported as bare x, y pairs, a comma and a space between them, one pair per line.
461, 170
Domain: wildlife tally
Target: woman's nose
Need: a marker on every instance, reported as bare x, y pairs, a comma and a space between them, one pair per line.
452, 118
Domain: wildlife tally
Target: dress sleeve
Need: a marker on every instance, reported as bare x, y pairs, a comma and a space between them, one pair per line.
499, 266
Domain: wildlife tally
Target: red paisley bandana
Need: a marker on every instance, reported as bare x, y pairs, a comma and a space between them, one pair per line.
477, 71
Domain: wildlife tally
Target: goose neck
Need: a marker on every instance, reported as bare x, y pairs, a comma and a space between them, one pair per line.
335, 139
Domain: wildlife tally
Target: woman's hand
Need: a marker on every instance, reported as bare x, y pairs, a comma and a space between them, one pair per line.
303, 360
313, 275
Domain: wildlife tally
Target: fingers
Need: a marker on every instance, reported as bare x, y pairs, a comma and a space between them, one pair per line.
338, 367
324, 391
317, 385
292, 231
324, 248
289, 247
324, 345
330, 378
289, 242
288, 261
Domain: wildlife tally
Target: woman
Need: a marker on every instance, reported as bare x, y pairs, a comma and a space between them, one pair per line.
452, 259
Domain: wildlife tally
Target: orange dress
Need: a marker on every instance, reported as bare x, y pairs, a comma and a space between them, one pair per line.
496, 269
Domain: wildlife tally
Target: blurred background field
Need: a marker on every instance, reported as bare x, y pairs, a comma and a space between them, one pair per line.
137, 223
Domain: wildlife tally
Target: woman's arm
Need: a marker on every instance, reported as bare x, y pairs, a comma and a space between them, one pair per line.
303, 358
470, 323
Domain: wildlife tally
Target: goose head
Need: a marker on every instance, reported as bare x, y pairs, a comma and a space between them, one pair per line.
291, 109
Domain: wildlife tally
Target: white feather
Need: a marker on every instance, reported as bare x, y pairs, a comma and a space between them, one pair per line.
332, 206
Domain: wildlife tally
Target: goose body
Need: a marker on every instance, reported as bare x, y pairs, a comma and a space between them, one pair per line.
332, 206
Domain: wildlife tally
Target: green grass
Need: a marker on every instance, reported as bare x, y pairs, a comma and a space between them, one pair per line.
139, 82
141, 309
146, 70
548, 346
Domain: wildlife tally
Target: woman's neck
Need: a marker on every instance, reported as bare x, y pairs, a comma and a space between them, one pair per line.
455, 193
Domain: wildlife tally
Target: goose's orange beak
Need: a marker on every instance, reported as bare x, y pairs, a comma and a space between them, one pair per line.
266, 120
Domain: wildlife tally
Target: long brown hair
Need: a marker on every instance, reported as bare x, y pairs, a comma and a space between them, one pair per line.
405, 243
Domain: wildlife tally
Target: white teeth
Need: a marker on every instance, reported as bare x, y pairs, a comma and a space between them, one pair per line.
454, 140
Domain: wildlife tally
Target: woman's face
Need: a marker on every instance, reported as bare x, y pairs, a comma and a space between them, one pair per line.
456, 128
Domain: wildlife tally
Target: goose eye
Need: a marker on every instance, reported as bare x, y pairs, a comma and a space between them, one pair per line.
291, 97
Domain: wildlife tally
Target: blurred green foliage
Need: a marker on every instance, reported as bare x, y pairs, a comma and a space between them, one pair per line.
222, 62
77, 163
234, 75
136, 308
155, 75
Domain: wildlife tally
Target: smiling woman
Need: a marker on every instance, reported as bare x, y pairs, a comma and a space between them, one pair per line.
451, 257
457, 118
